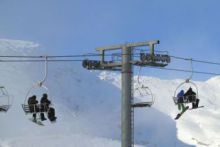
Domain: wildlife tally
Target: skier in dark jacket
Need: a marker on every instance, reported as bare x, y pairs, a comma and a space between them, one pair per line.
44, 105
191, 96
32, 102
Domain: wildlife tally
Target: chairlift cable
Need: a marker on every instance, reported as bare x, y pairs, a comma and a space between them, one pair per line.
185, 70
97, 54
53, 56
89, 55
71, 60
195, 60
63, 56
51, 60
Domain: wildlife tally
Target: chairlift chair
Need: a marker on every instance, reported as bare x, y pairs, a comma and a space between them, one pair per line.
144, 93
187, 83
4, 99
37, 89
183, 85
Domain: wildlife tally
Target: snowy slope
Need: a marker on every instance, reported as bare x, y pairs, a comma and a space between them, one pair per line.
87, 114
197, 127
88, 107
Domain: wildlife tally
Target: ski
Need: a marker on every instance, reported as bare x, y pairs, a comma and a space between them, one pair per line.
36, 122
180, 114
196, 108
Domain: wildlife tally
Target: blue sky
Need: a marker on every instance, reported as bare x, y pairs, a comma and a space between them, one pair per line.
185, 28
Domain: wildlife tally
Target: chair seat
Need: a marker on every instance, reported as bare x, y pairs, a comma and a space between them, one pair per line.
142, 104
185, 100
38, 107
4, 108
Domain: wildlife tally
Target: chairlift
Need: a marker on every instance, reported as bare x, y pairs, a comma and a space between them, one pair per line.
37, 90
4, 99
187, 84
144, 92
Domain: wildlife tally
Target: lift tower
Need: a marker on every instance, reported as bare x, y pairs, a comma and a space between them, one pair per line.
125, 66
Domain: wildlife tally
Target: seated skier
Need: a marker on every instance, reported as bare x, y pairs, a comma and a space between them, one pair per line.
190, 95
44, 105
180, 96
180, 102
32, 102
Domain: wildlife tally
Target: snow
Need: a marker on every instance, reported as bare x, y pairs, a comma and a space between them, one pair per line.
198, 127
88, 107
83, 109
76, 140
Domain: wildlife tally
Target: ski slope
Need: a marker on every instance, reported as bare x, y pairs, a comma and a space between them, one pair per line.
87, 116
88, 106
198, 127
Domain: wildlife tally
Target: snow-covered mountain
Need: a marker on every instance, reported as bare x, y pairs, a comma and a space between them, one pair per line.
198, 127
88, 107
87, 115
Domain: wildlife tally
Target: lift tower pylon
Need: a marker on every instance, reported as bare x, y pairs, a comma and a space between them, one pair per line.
125, 66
